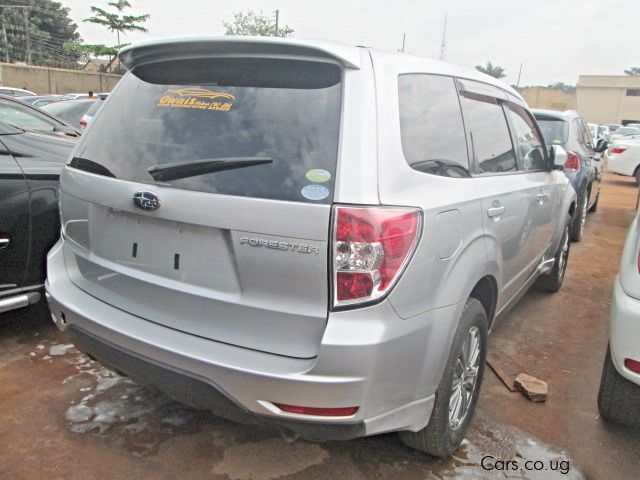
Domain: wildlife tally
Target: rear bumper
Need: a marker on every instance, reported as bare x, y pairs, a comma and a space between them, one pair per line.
620, 164
369, 358
197, 391
625, 331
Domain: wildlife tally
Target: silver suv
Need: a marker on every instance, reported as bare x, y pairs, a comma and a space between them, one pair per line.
305, 234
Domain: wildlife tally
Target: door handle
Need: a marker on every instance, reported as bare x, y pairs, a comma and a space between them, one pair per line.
4, 242
495, 211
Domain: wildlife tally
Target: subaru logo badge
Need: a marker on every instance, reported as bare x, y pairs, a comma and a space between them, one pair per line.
146, 201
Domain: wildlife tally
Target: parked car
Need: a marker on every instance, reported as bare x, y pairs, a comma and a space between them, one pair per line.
215, 247
16, 113
74, 96
598, 132
623, 157
623, 132
15, 92
93, 109
71, 111
584, 164
40, 100
619, 395
36, 146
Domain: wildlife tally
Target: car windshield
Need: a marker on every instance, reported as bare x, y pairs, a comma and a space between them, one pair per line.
186, 112
93, 108
70, 111
628, 131
554, 130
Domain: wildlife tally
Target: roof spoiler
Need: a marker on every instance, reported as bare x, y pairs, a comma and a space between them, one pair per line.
202, 47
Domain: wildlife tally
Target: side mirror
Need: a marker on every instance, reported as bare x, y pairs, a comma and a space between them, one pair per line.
558, 156
602, 145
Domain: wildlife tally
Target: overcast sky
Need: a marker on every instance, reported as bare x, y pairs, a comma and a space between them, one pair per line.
555, 40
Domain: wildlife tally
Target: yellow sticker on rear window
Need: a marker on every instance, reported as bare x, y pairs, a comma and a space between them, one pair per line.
196, 98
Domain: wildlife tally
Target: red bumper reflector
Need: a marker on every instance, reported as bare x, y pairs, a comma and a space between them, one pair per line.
321, 412
633, 365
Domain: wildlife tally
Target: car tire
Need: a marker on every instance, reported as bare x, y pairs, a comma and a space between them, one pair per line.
618, 398
637, 175
449, 419
594, 207
552, 281
579, 219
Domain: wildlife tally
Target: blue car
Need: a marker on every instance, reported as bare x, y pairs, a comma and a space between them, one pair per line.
584, 163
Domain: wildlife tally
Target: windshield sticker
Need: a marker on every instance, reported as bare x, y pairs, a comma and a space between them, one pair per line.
315, 192
196, 98
318, 175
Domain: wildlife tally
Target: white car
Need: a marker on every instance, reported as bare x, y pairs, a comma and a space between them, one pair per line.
74, 96
619, 396
623, 132
623, 157
598, 132
15, 92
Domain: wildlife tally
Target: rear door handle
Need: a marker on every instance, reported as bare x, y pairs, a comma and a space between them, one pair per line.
495, 211
4, 242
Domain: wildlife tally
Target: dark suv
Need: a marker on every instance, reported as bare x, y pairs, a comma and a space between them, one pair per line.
584, 162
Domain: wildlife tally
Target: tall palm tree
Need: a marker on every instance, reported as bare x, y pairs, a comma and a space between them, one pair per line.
493, 70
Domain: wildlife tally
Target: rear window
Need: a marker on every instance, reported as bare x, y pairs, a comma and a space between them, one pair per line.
554, 130
275, 121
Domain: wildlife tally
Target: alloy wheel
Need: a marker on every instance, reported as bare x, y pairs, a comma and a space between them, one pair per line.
583, 215
564, 253
465, 376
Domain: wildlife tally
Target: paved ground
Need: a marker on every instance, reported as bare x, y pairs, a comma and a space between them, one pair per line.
63, 416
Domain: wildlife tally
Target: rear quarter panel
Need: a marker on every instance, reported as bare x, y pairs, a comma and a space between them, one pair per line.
451, 256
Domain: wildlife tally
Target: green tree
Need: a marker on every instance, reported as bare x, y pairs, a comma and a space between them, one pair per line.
563, 86
633, 71
50, 27
87, 51
118, 22
493, 70
256, 23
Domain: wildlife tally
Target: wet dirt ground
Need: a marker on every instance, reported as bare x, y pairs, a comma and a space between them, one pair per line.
63, 416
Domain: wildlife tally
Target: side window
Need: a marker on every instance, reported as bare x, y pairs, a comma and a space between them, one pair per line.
588, 138
489, 133
529, 142
23, 118
431, 126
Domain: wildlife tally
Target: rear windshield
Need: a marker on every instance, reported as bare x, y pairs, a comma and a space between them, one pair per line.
276, 122
554, 131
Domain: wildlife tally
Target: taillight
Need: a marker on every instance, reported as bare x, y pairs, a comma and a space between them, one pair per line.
618, 149
633, 365
83, 122
572, 164
371, 247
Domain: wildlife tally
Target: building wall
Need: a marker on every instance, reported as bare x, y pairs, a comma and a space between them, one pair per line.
44, 80
549, 98
603, 98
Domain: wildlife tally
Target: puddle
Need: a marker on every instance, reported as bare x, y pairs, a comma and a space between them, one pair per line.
488, 443
113, 407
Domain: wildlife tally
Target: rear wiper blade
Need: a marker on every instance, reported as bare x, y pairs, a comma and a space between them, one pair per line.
191, 168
